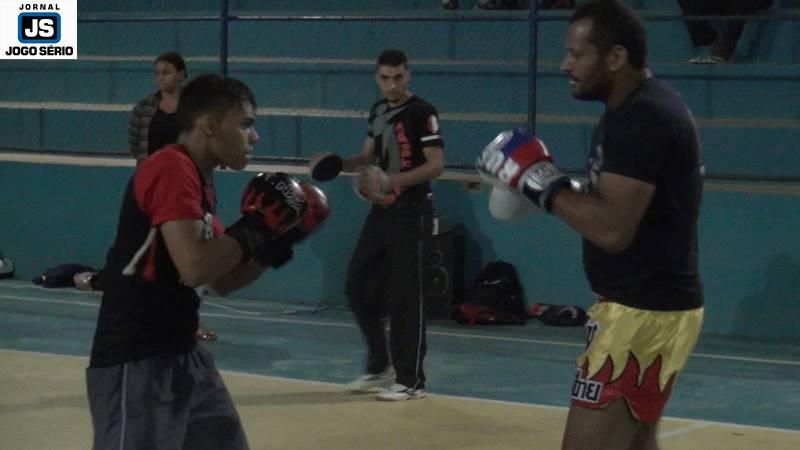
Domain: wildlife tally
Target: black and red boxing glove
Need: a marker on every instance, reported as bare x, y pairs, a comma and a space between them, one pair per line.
279, 251
317, 211
278, 199
272, 204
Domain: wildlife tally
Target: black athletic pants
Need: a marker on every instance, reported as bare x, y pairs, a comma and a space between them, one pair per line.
384, 279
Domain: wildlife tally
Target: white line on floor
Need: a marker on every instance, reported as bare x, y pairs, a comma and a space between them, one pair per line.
431, 331
694, 424
683, 430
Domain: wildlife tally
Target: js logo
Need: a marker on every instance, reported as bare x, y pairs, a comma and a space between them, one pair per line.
39, 28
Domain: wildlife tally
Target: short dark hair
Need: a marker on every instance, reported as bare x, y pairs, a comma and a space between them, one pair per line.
211, 93
614, 23
392, 58
173, 58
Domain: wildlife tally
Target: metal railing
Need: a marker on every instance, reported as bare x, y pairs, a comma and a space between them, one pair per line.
532, 16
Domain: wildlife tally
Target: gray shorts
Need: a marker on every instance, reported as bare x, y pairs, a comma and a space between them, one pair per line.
164, 402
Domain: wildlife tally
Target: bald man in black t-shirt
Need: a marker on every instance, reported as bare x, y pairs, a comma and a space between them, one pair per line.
638, 220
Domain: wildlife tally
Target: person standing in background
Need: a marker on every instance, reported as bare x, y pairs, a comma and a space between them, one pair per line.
153, 122
717, 44
403, 152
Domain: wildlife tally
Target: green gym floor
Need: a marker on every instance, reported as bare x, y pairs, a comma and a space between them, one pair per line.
501, 387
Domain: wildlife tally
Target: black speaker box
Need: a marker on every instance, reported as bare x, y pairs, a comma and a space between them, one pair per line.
443, 275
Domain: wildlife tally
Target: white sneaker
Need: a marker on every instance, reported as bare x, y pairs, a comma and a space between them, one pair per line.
372, 381
399, 392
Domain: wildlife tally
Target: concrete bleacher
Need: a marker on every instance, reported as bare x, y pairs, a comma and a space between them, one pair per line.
774, 41
738, 106
314, 83
475, 73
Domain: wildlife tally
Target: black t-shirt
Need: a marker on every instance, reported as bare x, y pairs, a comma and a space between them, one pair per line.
651, 137
163, 130
400, 134
146, 310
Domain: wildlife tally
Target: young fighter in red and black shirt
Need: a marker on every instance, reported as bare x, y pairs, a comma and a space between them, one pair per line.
150, 384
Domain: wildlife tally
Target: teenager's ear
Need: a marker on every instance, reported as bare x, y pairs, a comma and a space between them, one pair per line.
206, 124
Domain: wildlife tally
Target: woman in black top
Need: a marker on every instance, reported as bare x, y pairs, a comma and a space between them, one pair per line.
152, 120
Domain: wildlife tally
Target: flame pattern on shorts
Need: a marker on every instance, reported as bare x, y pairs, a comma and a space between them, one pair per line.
635, 354
622, 330
641, 389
